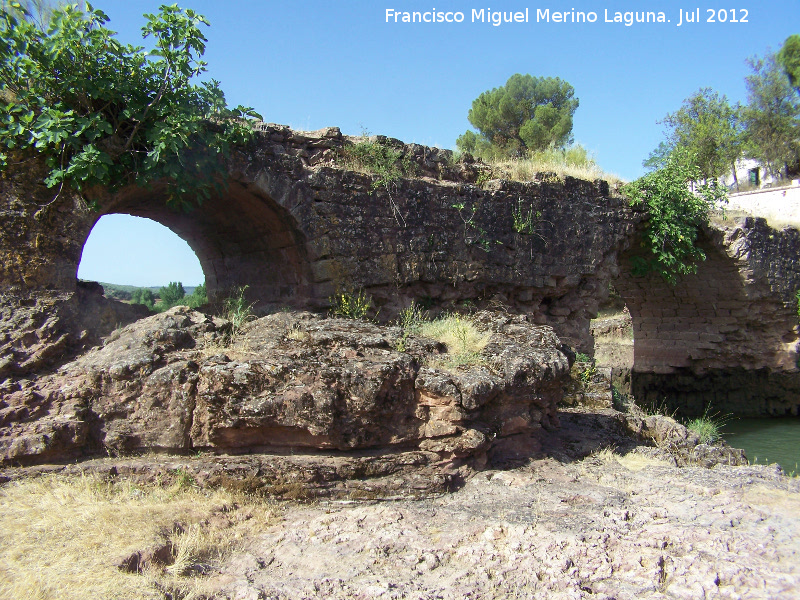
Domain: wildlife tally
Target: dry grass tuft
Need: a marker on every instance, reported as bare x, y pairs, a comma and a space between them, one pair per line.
526, 169
63, 537
631, 461
235, 350
463, 340
297, 334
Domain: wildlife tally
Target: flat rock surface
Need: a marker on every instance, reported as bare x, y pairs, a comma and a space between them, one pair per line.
589, 529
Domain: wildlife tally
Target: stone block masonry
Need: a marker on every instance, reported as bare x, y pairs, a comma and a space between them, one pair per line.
727, 337
295, 226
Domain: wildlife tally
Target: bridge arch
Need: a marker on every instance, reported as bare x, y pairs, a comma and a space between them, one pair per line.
724, 338
241, 238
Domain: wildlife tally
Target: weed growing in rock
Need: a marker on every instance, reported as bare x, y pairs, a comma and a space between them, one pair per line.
351, 305
463, 340
588, 374
474, 235
708, 427
236, 310
483, 177
525, 223
797, 299
377, 158
410, 320
380, 159
621, 401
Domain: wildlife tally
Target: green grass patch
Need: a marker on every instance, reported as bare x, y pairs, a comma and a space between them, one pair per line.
708, 427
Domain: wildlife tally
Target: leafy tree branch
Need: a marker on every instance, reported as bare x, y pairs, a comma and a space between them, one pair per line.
110, 114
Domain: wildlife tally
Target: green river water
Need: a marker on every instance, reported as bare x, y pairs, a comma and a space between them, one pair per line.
767, 440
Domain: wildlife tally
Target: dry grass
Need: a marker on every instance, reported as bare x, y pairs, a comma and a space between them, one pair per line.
62, 537
526, 169
463, 340
631, 461
297, 334
235, 350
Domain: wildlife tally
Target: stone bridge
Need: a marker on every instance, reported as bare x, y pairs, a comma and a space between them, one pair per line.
295, 226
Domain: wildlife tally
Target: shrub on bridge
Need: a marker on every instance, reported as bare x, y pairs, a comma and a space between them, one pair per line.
109, 114
677, 207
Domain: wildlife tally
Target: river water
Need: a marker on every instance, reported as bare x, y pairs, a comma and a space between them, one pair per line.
767, 440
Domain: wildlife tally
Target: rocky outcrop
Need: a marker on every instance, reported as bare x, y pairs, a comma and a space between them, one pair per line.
289, 381
602, 528
41, 331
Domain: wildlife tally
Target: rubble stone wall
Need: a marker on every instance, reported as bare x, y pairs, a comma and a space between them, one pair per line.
295, 226
726, 337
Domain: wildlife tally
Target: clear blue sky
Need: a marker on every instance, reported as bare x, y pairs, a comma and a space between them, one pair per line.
316, 64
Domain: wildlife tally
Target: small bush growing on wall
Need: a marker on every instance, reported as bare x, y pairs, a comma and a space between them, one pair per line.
676, 212
351, 305
378, 159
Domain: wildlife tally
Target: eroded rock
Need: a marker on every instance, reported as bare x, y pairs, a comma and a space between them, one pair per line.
288, 381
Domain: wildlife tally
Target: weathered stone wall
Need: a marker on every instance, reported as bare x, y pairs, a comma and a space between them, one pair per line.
727, 337
295, 227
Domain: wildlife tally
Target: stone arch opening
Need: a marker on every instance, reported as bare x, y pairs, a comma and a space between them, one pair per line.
241, 238
721, 338
127, 250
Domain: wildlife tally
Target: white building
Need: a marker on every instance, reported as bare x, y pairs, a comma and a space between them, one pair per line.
751, 175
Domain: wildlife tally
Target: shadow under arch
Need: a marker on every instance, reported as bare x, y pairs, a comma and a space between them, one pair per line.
720, 338
241, 238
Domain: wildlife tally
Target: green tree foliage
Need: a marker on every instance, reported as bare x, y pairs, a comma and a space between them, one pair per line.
526, 114
675, 214
789, 59
657, 159
106, 113
772, 115
198, 297
708, 128
171, 295
143, 296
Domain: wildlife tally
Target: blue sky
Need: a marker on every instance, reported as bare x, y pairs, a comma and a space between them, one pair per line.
316, 64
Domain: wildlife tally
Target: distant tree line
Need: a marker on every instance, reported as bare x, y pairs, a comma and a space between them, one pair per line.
717, 133
171, 295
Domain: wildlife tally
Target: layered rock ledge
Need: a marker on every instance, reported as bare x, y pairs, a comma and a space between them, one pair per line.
288, 381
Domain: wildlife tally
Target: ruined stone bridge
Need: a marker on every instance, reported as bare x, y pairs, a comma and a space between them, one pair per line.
295, 226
